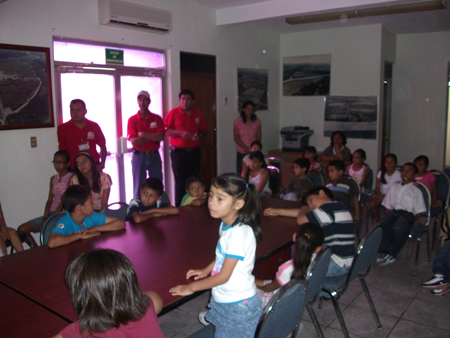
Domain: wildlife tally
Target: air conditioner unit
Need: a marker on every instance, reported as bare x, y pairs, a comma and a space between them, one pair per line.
124, 14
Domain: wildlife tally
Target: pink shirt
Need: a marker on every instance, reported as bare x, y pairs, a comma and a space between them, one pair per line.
247, 132
427, 180
105, 183
59, 186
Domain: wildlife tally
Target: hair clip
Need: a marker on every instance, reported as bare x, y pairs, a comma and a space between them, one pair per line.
246, 185
307, 236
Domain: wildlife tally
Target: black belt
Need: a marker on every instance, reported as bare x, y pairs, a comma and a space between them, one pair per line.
179, 150
143, 152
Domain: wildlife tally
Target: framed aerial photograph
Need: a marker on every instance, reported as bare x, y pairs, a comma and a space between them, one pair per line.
307, 75
25, 87
355, 116
252, 85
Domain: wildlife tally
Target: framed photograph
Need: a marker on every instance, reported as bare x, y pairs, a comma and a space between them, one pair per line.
25, 87
252, 85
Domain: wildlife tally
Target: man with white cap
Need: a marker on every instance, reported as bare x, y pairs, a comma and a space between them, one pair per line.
145, 132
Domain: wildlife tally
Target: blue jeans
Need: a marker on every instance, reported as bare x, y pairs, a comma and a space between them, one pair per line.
335, 270
140, 164
441, 264
396, 226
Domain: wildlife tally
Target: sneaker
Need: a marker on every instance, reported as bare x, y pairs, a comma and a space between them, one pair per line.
201, 318
441, 291
435, 282
385, 260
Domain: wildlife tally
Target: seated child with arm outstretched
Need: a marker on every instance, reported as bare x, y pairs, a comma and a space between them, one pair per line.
96, 280
300, 184
80, 220
195, 192
8, 234
58, 184
149, 203
308, 242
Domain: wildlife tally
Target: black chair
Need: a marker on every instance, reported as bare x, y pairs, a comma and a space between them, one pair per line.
274, 180
27, 239
314, 280
49, 225
165, 198
417, 232
442, 195
117, 210
281, 316
365, 255
316, 178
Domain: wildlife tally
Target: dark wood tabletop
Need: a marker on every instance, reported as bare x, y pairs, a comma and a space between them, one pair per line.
161, 250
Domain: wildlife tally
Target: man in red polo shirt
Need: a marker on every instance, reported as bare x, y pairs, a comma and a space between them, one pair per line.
145, 132
80, 134
186, 127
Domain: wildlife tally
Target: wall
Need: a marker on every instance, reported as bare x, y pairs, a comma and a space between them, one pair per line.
420, 96
25, 172
355, 70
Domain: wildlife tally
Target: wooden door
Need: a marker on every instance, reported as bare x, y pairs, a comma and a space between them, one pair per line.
203, 85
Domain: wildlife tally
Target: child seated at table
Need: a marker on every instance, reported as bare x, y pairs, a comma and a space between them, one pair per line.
108, 300
311, 156
80, 220
308, 242
8, 234
149, 203
195, 192
300, 184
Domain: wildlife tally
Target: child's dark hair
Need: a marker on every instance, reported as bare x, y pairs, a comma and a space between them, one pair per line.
311, 149
74, 195
422, 158
105, 291
412, 165
302, 163
315, 191
244, 105
256, 143
361, 153
153, 183
64, 154
383, 166
344, 138
96, 182
236, 187
192, 179
310, 236
338, 164
259, 156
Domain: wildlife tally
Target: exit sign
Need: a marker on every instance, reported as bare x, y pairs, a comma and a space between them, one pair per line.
114, 56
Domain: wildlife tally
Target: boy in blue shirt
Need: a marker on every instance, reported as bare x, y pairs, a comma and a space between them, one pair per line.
80, 218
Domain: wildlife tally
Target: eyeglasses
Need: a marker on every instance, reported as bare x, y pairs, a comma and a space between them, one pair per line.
59, 162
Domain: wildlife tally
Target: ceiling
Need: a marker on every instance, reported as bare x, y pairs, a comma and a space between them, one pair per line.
271, 14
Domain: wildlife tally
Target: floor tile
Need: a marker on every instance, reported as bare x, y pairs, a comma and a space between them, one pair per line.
405, 328
176, 321
428, 313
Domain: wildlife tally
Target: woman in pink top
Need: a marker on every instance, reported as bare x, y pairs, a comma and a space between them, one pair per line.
247, 128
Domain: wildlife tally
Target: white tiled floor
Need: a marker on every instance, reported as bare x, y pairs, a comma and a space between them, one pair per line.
404, 308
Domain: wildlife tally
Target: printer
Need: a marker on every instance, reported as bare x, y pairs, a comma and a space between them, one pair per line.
295, 138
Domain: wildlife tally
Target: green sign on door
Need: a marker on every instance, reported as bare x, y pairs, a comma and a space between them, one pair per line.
114, 56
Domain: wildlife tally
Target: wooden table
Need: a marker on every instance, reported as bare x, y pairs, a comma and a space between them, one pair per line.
161, 250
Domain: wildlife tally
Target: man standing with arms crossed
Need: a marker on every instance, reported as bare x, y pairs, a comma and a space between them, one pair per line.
186, 126
145, 132
80, 134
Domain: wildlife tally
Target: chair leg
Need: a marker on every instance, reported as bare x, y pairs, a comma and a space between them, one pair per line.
433, 237
340, 317
416, 262
315, 321
428, 245
369, 299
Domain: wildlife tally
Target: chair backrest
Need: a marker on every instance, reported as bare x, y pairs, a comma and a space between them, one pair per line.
427, 199
355, 184
117, 210
442, 187
49, 225
369, 179
365, 254
283, 314
316, 178
316, 274
274, 180
165, 198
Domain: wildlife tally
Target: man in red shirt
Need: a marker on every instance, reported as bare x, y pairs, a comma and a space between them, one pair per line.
145, 132
80, 134
186, 127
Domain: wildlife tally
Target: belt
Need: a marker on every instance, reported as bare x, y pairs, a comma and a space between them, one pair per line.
143, 152
179, 150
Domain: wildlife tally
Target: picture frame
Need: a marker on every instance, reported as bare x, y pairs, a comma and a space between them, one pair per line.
25, 87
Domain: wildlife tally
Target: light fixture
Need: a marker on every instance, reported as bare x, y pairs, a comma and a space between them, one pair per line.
366, 12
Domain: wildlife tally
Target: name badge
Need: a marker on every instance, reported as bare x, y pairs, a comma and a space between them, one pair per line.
197, 120
153, 125
82, 147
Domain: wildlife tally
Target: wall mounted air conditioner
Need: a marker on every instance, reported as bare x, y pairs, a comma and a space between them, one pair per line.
127, 15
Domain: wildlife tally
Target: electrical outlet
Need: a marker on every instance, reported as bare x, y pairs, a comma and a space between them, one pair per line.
33, 141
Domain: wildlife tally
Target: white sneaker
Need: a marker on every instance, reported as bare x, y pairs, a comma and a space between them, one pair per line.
201, 318
388, 259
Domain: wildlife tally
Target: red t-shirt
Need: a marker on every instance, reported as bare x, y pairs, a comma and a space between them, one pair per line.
192, 123
147, 327
74, 139
153, 124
